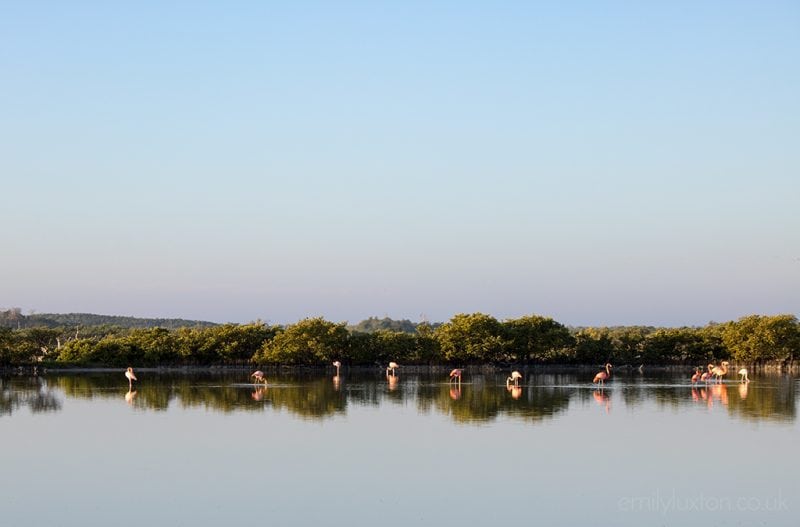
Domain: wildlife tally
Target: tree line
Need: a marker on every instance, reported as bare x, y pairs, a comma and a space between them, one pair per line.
474, 338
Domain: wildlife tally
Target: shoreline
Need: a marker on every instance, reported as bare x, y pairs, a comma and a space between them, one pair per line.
772, 367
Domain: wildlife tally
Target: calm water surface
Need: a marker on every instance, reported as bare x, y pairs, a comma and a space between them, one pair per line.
201, 450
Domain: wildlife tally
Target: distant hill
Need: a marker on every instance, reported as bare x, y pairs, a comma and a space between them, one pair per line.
374, 324
13, 318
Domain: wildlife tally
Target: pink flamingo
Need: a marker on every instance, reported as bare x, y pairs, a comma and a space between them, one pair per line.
721, 371
515, 378
392, 367
603, 376
131, 377
706, 376
337, 381
455, 374
696, 376
258, 377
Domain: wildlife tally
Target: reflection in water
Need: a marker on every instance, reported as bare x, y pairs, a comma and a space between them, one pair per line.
259, 393
720, 393
544, 396
743, 390
602, 399
33, 393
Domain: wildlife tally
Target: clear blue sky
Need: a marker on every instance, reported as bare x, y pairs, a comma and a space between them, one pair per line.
598, 162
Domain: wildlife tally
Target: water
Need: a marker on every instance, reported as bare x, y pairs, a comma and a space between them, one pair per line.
198, 450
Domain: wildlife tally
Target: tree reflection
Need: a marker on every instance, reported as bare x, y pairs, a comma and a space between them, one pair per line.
482, 398
769, 398
33, 393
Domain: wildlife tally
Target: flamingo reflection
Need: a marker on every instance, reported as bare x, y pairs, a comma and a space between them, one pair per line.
720, 393
130, 396
515, 391
258, 393
743, 391
455, 392
393, 381
602, 399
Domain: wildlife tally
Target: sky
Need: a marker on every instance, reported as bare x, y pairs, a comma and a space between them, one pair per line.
599, 162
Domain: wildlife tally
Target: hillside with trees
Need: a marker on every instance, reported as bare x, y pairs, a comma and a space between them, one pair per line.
13, 318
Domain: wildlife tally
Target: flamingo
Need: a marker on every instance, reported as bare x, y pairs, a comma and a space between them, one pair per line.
337, 365
743, 375
706, 376
696, 376
603, 375
131, 377
455, 374
721, 371
392, 367
258, 377
515, 378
